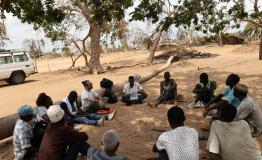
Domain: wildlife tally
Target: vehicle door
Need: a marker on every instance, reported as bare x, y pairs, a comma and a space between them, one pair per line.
6, 65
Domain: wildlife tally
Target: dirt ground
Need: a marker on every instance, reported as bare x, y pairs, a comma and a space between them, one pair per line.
139, 126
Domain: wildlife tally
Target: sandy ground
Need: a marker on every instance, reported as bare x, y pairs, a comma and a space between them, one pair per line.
139, 125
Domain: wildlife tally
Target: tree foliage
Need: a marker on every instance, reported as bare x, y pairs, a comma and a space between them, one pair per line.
251, 32
3, 34
89, 19
40, 13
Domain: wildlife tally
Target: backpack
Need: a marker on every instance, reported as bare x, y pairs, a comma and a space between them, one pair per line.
106, 83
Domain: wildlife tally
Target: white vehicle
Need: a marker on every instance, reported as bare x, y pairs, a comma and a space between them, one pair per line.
15, 66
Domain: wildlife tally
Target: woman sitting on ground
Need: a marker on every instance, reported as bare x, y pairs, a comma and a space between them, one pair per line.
43, 102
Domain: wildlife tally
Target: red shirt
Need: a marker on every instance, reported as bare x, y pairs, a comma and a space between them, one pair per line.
56, 140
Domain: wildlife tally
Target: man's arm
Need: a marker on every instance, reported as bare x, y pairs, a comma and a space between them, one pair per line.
216, 99
63, 105
243, 111
161, 88
197, 89
174, 88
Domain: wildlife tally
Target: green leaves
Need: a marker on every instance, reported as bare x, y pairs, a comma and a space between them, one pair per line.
37, 12
108, 10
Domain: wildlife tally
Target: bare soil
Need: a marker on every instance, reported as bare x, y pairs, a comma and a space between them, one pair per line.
138, 126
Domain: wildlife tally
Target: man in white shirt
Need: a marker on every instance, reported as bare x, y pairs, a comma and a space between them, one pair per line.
248, 109
91, 101
133, 92
231, 139
180, 143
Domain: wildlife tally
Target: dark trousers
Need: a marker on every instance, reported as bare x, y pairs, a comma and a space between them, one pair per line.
128, 101
74, 149
204, 96
109, 93
38, 134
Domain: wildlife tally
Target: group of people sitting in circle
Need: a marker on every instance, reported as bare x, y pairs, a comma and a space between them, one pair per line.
49, 131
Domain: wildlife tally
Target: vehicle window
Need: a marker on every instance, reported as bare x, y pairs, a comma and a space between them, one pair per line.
6, 60
20, 58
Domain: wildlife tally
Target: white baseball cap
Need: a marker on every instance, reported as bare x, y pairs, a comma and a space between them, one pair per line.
55, 113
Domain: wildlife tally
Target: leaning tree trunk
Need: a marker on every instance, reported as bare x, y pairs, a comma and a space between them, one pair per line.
260, 47
94, 63
7, 123
153, 49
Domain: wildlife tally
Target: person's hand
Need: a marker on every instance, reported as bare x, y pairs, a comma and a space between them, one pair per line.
128, 94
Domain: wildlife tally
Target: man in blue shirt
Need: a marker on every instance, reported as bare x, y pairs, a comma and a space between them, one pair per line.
228, 95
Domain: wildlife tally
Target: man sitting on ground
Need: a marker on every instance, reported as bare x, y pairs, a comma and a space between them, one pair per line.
232, 140
248, 109
205, 91
179, 143
110, 142
61, 142
91, 101
133, 92
231, 81
168, 91
76, 114
23, 134
109, 95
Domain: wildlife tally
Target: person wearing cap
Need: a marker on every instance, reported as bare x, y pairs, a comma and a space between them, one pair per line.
133, 92
168, 91
23, 134
60, 141
231, 139
76, 114
110, 144
231, 81
179, 143
248, 109
91, 101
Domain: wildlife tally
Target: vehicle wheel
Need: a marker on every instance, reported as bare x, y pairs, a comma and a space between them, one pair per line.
17, 77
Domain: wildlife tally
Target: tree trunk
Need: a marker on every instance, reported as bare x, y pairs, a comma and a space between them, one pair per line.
260, 47
153, 49
220, 39
94, 63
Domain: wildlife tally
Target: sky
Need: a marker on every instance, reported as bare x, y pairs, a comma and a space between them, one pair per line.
18, 32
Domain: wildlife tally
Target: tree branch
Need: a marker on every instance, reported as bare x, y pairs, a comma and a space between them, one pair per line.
253, 22
84, 9
257, 11
77, 46
84, 41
